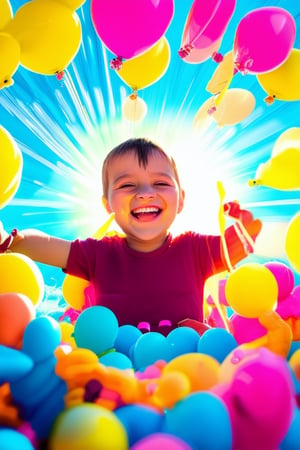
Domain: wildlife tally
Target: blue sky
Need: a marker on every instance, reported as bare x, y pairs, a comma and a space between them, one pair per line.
65, 128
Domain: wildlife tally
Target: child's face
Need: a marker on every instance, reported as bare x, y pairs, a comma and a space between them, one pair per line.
145, 201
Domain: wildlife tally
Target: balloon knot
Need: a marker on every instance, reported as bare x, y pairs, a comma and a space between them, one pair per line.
252, 183
116, 63
243, 67
133, 95
270, 99
183, 52
211, 110
60, 75
217, 57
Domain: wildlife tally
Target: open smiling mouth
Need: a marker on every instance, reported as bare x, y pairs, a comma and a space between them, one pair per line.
146, 213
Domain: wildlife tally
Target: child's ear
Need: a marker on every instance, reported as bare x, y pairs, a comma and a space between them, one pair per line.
181, 201
106, 205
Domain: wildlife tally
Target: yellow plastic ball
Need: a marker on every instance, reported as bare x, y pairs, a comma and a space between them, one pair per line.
251, 290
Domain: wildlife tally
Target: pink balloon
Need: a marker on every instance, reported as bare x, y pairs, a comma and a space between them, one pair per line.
263, 40
260, 400
204, 28
128, 28
290, 305
158, 441
246, 329
284, 277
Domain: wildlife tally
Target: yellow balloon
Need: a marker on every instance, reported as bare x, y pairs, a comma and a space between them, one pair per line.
72, 4
134, 109
292, 242
283, 82
203, 118
11, 163
6, 13
67, 330
222, 76
21, 275
73, 287
88, 426
280, 172
10, 59
290, 138
147, 68
251, 290
235, 106
49, 34
73, 291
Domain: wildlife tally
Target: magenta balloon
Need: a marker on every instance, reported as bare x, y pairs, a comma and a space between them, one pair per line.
260, 400
158, 441
205, 25
128, 28
263, 40
284, 277
245, 329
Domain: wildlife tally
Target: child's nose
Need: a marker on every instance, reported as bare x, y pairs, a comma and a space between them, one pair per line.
145, 192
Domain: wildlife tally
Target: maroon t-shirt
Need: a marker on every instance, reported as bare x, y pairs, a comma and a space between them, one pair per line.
165, 284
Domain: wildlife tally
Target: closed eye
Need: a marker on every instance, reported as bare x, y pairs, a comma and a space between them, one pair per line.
162, 183
125, 185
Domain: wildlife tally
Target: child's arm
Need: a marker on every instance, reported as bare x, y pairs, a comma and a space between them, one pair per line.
36, 245
237, 242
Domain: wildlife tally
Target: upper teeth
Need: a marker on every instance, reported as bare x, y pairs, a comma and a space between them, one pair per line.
145, 210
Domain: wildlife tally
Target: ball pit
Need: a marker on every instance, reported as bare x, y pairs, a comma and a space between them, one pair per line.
78, 380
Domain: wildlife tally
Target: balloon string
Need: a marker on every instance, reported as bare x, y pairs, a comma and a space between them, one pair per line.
222, 225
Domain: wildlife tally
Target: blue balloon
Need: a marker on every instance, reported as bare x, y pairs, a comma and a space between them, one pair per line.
295, 345
13, 440
139, 421
216, 342
35, 386
183, 340
13, 364
291, 440
149, 348
202, 420
41, 337
116, 359
96, 329
126, 338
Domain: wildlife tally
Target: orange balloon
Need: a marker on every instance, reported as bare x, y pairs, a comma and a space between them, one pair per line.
201, 370
16, 311
171, 387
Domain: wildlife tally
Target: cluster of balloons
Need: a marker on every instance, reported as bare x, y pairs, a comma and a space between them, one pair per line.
142, 56
277, 72
43, 36
114, 387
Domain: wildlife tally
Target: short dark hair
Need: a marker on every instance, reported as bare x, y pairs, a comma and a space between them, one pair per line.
142, 148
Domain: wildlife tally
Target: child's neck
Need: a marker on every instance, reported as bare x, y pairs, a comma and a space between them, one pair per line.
146, 246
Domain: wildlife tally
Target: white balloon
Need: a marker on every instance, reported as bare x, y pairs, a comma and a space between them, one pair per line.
134, 108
